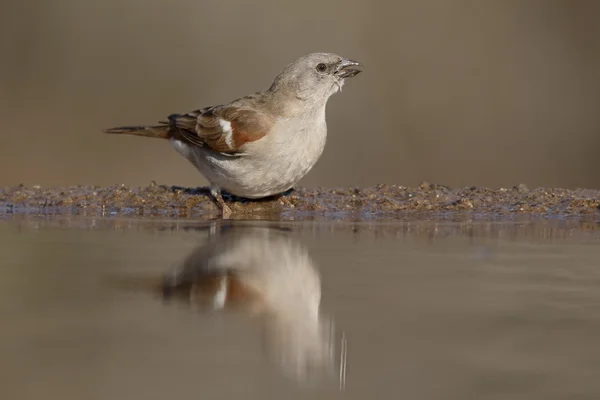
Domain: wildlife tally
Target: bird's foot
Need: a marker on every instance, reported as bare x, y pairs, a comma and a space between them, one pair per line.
225, 210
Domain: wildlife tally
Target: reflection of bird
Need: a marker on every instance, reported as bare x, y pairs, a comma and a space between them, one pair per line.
265, 272
262, 144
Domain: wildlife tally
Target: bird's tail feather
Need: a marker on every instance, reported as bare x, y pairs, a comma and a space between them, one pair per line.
155, 131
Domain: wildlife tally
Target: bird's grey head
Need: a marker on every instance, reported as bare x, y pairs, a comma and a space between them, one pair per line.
315, 77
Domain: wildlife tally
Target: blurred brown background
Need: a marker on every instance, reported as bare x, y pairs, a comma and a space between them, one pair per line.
454, 92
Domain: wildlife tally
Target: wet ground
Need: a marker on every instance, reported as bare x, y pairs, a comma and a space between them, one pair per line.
380, 201
113, 307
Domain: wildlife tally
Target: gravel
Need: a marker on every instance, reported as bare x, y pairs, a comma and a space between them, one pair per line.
376, 202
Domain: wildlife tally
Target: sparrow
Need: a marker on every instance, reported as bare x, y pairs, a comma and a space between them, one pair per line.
262, 144
265, 273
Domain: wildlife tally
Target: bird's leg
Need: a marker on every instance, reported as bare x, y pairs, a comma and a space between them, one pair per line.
215, 191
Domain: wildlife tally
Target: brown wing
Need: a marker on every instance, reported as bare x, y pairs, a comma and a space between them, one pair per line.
223, 129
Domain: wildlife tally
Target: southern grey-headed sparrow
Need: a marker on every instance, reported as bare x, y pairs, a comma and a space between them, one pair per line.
262, 144
268, 274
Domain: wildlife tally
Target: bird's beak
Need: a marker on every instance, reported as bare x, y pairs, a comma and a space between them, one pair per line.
348, 68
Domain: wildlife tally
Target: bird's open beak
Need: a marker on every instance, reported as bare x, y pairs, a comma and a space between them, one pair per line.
348, 68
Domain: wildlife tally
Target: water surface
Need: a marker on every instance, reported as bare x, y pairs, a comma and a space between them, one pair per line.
263, 310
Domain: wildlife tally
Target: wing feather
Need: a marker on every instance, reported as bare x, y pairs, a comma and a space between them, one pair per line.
224, 129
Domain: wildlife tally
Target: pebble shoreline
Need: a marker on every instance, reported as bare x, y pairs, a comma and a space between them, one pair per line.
376, 202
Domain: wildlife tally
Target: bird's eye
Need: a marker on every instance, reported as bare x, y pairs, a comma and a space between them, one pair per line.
321, 67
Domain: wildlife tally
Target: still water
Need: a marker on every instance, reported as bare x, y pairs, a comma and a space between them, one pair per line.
154, 309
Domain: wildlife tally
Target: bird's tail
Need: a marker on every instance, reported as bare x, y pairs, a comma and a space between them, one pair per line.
155, 131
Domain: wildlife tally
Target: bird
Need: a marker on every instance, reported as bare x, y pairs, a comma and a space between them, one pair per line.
265, 273
262, 144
